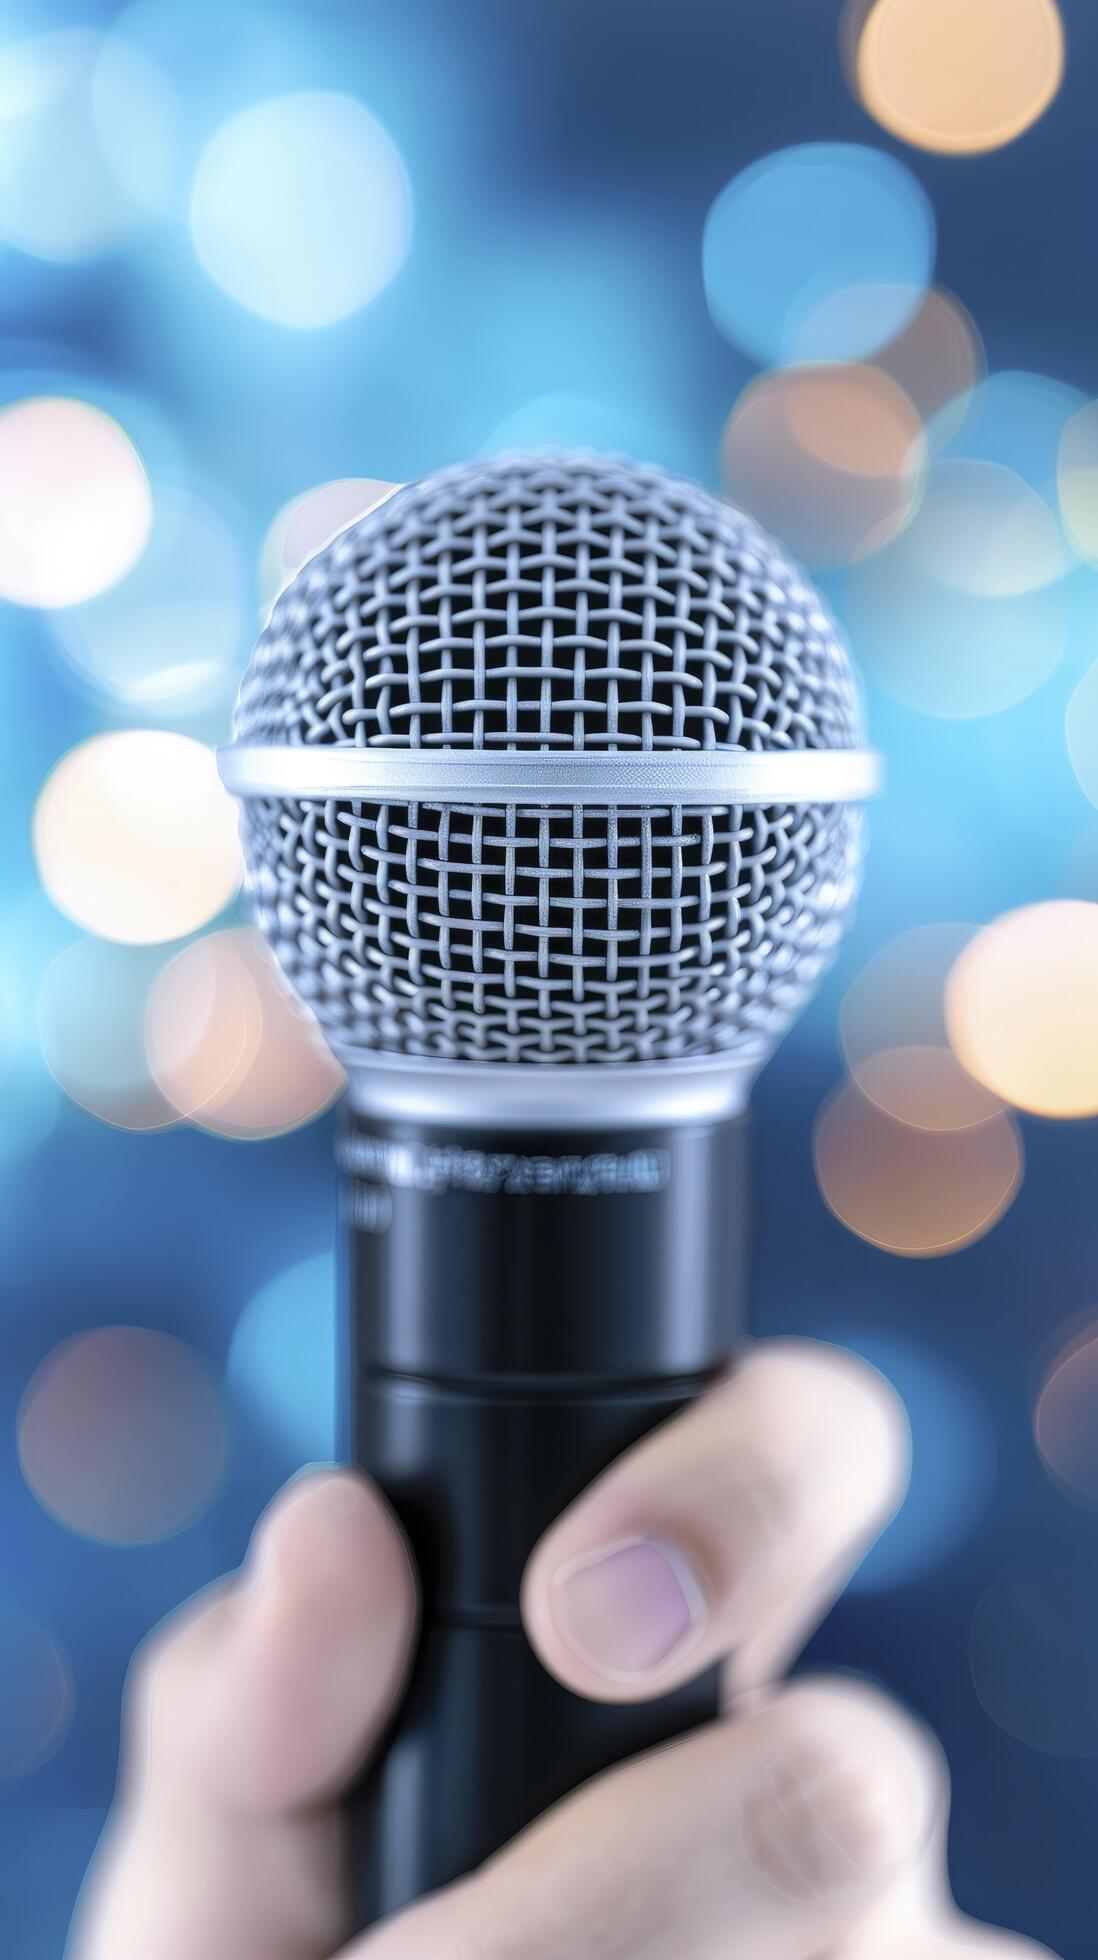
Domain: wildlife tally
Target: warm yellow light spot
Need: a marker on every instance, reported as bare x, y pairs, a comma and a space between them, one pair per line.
135, 838
1022, 1008
914, 1191
75, 504
827, 457
231, 1047
959, 76
925, 1086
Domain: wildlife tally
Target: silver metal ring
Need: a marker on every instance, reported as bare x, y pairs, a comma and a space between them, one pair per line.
694, 777
524, 1096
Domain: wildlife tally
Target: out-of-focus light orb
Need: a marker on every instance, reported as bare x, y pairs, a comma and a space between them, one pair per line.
91, 1018
1082, 733
937, 360
304, 525
229, 1044
828, 457
984, 531
1022, 1008
959, 76
913, 1191
171, 635
87, 135
939, 649
895, 1043
1033, 1655
301, 208
818, 253
924, 1086
37, 1703
1064, 1418
135, 838
122, 1436
75, 503
282, 1361
1078, 480
1016, 419
953, 1462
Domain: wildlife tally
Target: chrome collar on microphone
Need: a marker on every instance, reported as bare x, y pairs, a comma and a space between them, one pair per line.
692, 777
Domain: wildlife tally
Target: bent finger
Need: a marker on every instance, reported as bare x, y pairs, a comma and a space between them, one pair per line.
769, 1836
245, 1714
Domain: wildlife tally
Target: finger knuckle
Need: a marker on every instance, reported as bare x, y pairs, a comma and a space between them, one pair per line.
857, 1735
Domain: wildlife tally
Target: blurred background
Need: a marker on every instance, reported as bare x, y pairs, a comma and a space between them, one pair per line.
257, 264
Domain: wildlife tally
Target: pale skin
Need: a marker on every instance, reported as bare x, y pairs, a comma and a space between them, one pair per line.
808, 1824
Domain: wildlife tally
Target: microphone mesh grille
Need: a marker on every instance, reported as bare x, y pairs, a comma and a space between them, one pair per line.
550, 602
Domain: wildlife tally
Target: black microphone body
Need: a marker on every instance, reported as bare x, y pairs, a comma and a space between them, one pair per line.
524, 1304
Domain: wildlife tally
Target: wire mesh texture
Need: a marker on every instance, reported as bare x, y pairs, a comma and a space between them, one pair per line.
537, 603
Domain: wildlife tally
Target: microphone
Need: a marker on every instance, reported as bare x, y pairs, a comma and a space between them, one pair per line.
550, 769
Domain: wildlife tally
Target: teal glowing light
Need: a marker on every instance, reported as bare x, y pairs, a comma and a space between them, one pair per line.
819, 253
282, 1362
87, 142
301, 208
172, 636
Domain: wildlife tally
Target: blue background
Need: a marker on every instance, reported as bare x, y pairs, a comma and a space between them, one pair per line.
562, 160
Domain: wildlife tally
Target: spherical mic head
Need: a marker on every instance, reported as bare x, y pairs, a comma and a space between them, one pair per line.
551, 760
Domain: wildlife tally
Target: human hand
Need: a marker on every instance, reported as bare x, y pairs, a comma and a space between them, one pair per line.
809, 1823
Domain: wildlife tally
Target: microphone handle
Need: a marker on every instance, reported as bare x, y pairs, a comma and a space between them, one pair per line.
521, 1308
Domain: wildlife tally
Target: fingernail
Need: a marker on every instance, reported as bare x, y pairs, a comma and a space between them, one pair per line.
629, 1608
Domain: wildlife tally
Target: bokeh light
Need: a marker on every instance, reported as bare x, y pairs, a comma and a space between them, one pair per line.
1064, 1418
36, 1706
957, 76
135, 838
91, 1018
821, 252
301, 208
937, 359
1077, 476
282, 1362
122, 1436
171, 636
1081, 727
229, 1044
913, 1191
828, 457
1016, 419
305, 524
75, 503
953, 1460
892, 1027
87, 135
1033, 1655
983, 530
1022, 1008
937, 648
